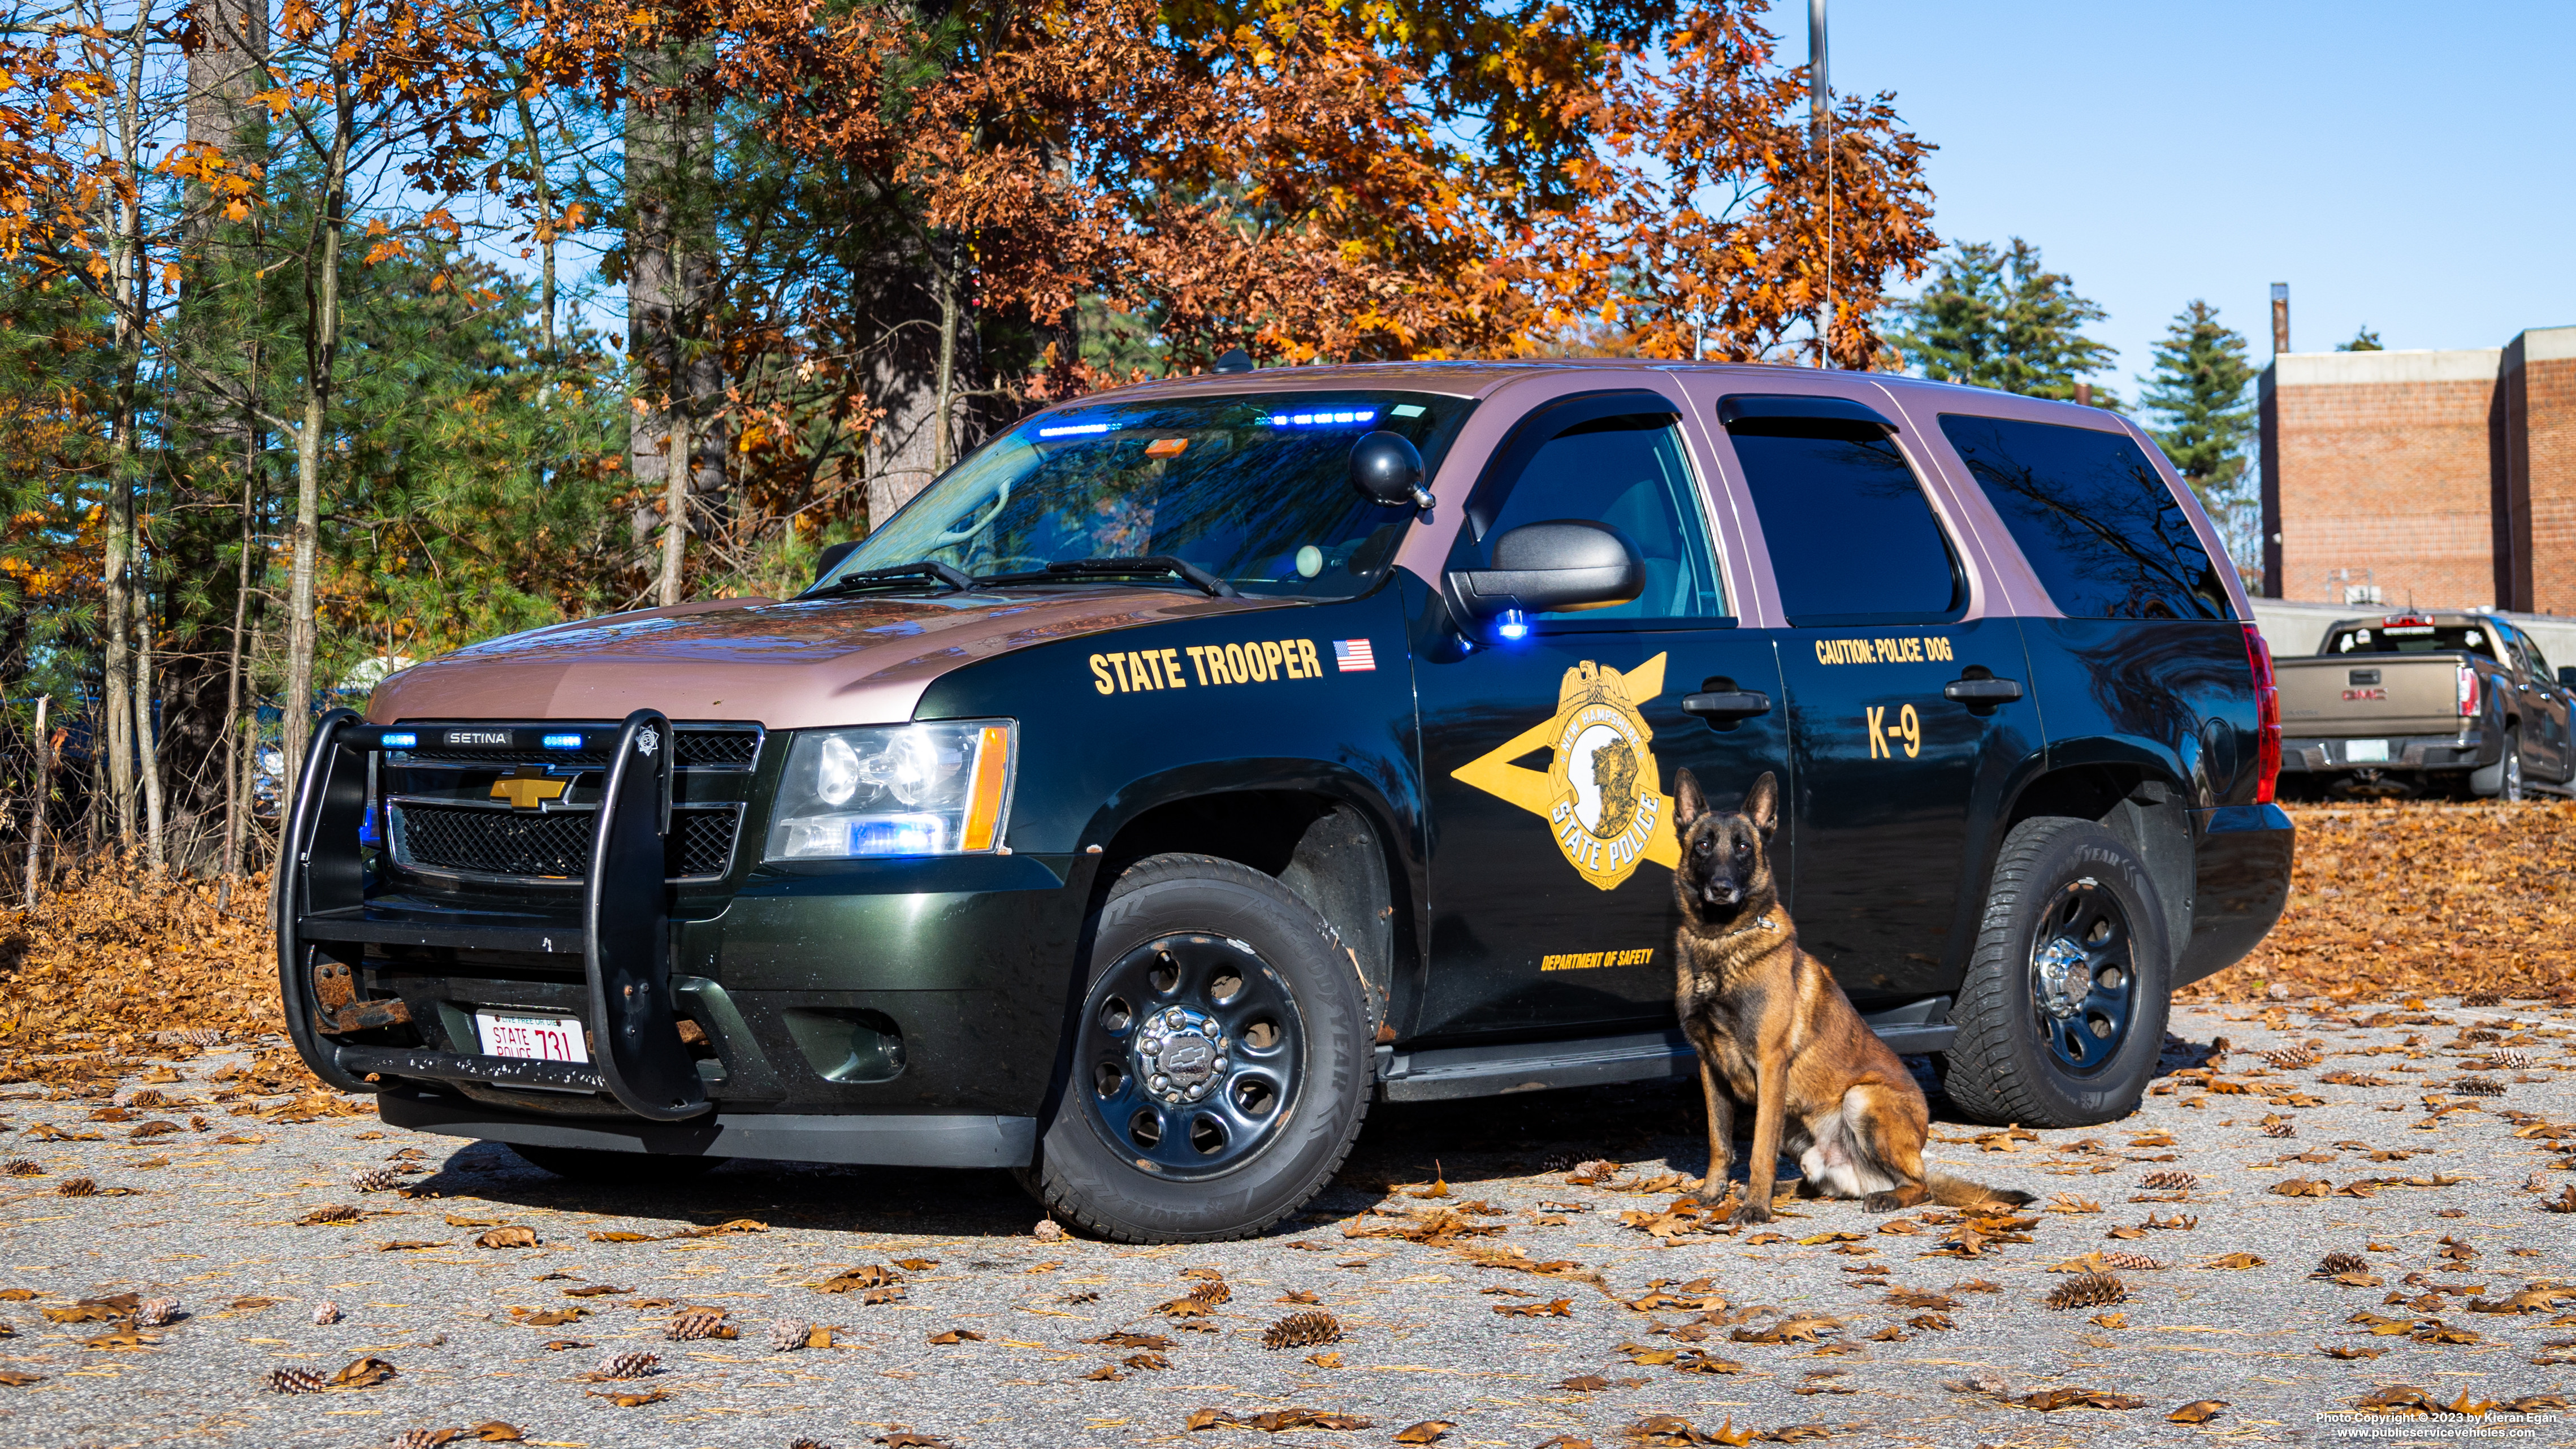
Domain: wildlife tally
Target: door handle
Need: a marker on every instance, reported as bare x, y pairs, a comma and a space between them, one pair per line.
1982, 691
1727, 705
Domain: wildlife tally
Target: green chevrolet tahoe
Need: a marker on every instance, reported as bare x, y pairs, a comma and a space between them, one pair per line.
1197, 764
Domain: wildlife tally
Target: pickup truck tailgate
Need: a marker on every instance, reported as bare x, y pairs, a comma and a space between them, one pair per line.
2373, 694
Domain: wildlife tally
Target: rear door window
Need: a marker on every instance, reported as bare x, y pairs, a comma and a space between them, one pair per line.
1852, 538
2094, 517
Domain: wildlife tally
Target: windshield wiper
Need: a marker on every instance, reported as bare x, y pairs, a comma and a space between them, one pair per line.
894, 574
1147, 566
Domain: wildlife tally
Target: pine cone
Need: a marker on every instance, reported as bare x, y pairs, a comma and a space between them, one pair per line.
2481, 1034
325, 1313
148, 1097
698, 1323
790, 1336
808, 1444
2509, 1059
2134, 1262
2088, 1290
2169, 1181
1302, 1330
76, 1187
2335, 1264
197, 1036
293, 1381
2482, 997
156, 1312
2290, 1059
630, 1365
22, 1167
421, 1439
2281, 1129
2478, 1087
1212, 1292
374, 1179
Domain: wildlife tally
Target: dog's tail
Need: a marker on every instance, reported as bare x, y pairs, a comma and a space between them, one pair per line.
1959, 1192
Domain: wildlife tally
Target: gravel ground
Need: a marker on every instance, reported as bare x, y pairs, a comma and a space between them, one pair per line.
1428, 1332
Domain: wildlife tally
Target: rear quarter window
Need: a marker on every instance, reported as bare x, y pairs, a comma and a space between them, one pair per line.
2094, 518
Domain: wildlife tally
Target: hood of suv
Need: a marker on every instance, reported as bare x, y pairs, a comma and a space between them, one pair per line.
792, 665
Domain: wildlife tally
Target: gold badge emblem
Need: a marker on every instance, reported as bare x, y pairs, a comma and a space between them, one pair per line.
526, 786
1602, 792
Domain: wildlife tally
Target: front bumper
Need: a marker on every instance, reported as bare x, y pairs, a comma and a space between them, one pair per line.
2428, 754
919, 1004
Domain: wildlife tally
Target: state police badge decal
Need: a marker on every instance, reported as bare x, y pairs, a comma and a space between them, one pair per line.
1602, 792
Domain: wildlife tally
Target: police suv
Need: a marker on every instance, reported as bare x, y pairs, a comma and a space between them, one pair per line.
1195, 764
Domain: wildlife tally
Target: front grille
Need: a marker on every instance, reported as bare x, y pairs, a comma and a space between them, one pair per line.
471, 840
702, 748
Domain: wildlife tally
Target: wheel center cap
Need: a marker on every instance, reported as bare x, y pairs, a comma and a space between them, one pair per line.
1181, 1054
2061, 978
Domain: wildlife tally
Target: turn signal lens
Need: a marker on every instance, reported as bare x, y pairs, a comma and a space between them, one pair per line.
992, 778
2267, 717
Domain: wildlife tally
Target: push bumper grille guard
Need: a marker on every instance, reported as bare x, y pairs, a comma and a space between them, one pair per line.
625, 926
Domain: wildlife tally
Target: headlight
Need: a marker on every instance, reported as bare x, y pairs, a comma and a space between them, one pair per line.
919, 789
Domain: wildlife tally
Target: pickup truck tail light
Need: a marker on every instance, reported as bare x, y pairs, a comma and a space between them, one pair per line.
2267, 717
2468, 692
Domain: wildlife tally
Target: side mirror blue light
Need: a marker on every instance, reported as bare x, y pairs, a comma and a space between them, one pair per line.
1512, 624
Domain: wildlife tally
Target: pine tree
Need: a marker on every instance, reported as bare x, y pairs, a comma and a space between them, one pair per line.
1996, 317
2364, 340
2198, 392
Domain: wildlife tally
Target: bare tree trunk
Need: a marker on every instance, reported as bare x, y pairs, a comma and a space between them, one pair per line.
670, 288
148, 737
44, 777
943, 443
234, 803
126, 296
680, 463
321, 351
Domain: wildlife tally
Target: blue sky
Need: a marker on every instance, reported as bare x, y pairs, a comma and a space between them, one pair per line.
2408, 167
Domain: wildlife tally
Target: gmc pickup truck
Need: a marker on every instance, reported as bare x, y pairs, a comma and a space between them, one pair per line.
1195, 765
2432, 704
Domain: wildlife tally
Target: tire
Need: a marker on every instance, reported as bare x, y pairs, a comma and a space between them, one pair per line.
590, 1164
1271, 1113
2070, 905
2502, 781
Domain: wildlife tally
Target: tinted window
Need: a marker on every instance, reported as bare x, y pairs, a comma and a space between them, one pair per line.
1628, 472
2094, 518
2412, 639
1852, 538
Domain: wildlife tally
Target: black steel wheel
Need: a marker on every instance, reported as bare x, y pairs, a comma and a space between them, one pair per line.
2062, 1013
1221, 1063
1193, 1049
2083, 980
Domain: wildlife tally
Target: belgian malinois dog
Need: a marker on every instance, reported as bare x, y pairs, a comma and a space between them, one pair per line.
1775, 1031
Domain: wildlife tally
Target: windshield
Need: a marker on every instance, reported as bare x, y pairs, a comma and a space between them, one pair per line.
1253, 488
2414, 639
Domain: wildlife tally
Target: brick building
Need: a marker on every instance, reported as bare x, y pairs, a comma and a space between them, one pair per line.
2442, 479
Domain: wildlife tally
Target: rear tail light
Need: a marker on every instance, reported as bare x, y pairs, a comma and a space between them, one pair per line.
2267, 717
2468, 692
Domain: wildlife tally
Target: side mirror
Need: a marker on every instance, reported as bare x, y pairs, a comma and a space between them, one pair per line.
1543, 568
830, 559
1386, 468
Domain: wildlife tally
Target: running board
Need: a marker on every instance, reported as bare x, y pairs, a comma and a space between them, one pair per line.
1450, 1073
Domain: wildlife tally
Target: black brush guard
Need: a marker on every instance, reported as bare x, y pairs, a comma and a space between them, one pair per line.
624, 938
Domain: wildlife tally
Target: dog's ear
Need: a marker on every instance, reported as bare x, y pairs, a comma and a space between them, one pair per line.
1688, 803
1762, 803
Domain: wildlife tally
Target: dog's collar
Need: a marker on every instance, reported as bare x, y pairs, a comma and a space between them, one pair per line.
1759, 923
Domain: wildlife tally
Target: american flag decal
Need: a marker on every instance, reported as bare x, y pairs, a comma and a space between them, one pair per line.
1353, 656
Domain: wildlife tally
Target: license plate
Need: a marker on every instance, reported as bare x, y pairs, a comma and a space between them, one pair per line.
532, 1038
2366, 752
